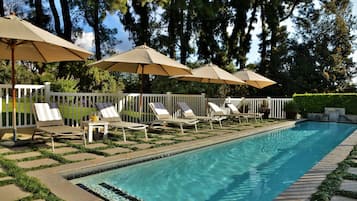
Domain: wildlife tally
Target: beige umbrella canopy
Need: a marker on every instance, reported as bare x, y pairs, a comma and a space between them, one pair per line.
210, 73
143, 60
20, 40
254, 79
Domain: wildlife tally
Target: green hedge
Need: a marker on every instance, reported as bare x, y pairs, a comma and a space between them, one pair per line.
315, 103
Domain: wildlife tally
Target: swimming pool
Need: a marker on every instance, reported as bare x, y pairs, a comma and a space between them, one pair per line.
253, 168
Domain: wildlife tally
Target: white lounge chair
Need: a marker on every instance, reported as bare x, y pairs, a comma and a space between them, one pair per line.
215, 110
163, 116
49, 121
109, 114
188, 113
234, 110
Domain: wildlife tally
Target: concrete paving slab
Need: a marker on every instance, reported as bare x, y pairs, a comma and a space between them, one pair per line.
354, 160
81, 156
64, 150
2, 170
5, 178
20, 156
185, 138
125, 143
341, 198
352, 170
142, 146
96, 145
116, 150
166, 136
37, 163
164, 142
202, 135
12, 192
4, 150
348, 185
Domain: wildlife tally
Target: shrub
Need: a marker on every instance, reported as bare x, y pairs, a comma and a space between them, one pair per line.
315, 103
291, 106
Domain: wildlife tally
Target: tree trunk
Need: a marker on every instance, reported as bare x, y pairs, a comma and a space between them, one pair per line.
56, 18
264, 43
67, 22
2, 11
98, 53
172, 25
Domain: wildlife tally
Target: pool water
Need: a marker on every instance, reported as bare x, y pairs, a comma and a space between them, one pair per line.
259, 167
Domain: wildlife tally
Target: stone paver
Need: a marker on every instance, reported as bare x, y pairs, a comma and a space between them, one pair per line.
348, 185
96, 145
63, 150
166, 136
81, 156
165, 142
352, 170
37, 163
12, 192
142, 146
23, 155
185, 138
354, 160
116, 150
2, 170
201, 135
341, 198
5, 178
57, 144
125, 143
4, 150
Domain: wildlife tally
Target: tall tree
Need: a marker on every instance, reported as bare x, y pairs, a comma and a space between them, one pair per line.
2, 10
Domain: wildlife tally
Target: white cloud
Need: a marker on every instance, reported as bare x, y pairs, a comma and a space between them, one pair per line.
86, 41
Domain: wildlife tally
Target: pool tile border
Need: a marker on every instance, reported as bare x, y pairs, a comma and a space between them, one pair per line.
56, 178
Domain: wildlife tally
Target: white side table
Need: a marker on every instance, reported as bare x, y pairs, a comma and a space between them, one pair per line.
93, 125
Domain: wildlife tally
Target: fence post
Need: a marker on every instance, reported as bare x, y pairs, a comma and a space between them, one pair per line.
47, 91
269, 106
169, 102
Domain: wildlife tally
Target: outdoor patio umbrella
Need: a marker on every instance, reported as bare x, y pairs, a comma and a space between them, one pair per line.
254, 79
143, 60
211, 73
20, 40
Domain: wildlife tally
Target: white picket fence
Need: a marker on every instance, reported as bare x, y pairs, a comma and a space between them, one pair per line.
77, 107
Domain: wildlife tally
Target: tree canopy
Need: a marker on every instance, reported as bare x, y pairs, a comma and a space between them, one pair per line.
316, 57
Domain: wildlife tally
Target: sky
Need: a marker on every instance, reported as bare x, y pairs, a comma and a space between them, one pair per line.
87, 41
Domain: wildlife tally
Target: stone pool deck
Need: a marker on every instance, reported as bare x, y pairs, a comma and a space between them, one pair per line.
53, 172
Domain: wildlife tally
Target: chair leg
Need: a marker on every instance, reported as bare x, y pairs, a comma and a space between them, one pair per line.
220, 123
84, 140
196, 127
211, 124
53, 144
146, 134
124, 136
181, 128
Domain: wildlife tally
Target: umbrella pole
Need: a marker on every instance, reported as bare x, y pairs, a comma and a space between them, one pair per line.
13, 81
141, 93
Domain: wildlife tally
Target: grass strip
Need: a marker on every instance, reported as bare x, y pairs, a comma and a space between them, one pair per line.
27, 183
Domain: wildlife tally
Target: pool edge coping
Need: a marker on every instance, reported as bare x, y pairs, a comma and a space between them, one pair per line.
306, 185
55, 178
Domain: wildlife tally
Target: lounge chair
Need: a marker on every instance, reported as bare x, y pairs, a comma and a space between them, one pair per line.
163, 116
215, 110
109, 114
49, 121
188, 113
234, 110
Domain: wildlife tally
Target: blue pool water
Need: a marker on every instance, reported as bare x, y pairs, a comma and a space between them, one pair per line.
254, 168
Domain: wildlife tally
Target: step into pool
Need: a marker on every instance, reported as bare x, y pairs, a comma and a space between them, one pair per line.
258, 167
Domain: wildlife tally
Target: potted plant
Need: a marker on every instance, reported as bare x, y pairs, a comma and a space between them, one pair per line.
264, 108
291, 109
